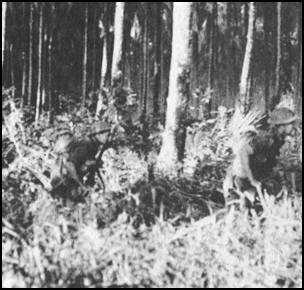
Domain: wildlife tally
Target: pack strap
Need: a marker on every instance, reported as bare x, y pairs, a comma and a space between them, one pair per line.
100, 132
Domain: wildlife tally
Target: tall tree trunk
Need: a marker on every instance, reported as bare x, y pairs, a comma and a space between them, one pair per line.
195, 46
104, 64
244, 100
162, 74
51, 109
157, 66
145, 61
228, 51
211, 56
234, 52
23, 88
267, 55
299, 82
277, 87
24, 57
44, 65
85, 56
286, 50
244, 20
104, 61
178, 85
50, 67
12, 71
118, 39
195, 58
4, 7
30, 74
38, 99
146, 75
94, 50
299, 64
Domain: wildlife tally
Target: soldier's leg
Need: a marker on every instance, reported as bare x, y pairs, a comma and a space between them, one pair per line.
228, 184
245, 189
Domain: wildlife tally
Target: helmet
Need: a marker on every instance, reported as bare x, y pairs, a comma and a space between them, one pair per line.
281, 116
63, 130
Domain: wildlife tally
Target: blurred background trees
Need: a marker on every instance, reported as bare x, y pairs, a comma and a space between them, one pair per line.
67, 49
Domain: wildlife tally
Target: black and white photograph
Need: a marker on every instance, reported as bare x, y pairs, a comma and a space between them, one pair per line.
151, 144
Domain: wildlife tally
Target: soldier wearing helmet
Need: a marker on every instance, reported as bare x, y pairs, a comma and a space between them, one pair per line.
82, 156
257, 152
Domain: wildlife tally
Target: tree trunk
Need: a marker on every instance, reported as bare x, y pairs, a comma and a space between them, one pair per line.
38, 99
228, 39
12, 72
195, 48
299, 82
44, 65
118, 40
286, 50
162, 74
24, 58
157, 65
267, 55
178, 85
211, 56
104, 64
234, 52
195, 59
94, 50
30, 74
145, 62
49, 72
23, 88
4, 7
244, 21
104, 61
277, 87
85, 57
50, 95
244, 100
299, 65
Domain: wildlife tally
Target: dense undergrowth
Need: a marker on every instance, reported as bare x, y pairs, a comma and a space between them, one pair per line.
145, 230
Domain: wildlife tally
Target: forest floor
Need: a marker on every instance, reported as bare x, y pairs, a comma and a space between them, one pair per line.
187, 237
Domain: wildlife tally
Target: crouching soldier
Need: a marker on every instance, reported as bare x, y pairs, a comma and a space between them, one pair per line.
255, 155
80, 158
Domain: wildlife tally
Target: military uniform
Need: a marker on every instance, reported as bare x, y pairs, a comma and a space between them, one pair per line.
256, 153
264, 148
81, 158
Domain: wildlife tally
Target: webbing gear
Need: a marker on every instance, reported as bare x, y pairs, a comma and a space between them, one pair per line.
100, 128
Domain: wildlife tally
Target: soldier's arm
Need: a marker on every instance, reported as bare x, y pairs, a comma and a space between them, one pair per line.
245, 161
241, 166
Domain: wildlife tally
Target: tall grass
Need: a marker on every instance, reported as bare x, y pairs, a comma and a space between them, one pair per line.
49, 243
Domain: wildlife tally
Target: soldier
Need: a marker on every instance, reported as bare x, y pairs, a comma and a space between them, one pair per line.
82, 157
256, 153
